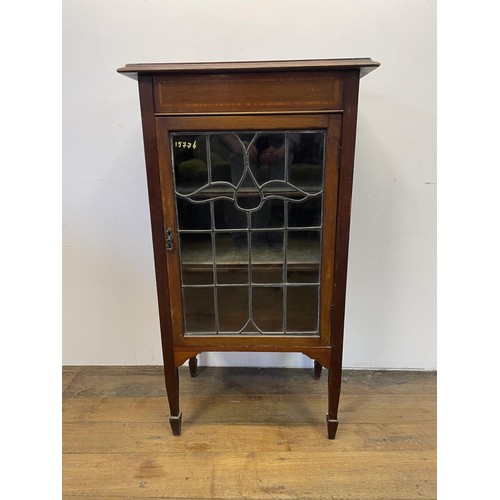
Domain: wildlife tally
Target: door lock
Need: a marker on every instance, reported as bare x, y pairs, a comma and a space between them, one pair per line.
170, 240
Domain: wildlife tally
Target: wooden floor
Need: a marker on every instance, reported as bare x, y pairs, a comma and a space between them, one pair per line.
247, 434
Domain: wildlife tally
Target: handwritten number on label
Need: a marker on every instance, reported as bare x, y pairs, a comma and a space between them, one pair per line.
185, 145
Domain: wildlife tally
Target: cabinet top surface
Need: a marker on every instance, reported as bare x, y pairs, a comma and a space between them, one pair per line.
365, 65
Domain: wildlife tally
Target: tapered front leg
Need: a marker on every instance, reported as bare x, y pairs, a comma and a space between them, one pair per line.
334, 381
172, 383
175, 424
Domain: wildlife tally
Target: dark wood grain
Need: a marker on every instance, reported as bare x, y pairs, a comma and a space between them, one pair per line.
329, 224
159, 245
349, 119
284, 343
224, 93
193, 367
365, 65
274, 121
318, 368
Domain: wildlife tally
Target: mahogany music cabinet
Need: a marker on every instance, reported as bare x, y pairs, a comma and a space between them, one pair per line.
250, 169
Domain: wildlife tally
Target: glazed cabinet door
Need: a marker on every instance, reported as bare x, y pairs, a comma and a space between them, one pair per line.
249, 206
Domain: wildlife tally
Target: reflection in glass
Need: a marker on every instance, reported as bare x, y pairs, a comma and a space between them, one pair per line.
305, 214
303, 256
306, 168
271, 215
231, 250
227, 216
199, 311
192, 216
233, 308
196, 258
267, 257
302, 308
268, 308
190, 162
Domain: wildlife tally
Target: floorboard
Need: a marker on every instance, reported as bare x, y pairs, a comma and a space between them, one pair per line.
248, 434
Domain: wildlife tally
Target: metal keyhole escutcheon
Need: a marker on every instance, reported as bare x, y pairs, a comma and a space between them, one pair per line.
170, 241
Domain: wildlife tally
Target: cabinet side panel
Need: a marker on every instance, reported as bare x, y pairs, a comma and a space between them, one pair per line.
157, 223
349, 120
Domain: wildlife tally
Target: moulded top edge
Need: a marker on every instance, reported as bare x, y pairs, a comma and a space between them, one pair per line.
365, 65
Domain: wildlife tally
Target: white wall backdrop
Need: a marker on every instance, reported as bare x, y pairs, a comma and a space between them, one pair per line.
109, 308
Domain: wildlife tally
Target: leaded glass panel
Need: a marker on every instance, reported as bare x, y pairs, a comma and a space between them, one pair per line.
249, 217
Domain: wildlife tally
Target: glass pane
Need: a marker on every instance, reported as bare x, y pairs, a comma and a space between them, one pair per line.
246, 197
193, 215
307, 160
304, 275
267, 304
303, 256
270, 152
302, 308
267, 274
231, 250
220, 158
199, 310
270, 215
190, 162
227, 216
197, 275
305, 213
196, 259
267, 256
233, 308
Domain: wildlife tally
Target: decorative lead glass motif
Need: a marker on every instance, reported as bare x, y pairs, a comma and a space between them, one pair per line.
249, 218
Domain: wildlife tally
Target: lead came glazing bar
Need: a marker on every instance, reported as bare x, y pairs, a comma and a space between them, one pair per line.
240, 230
214, 270
261, 285
250, 296
285, 263
285, 240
